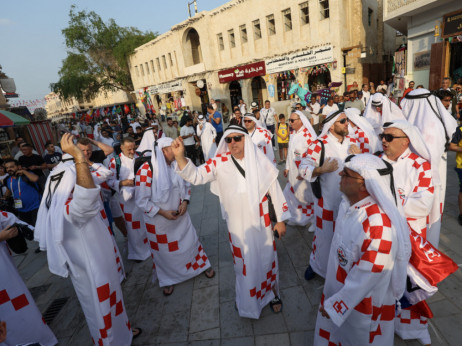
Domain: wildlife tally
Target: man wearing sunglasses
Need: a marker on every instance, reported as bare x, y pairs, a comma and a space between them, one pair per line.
243, 178
337, 146
298, 192
260, 137
404, 148
380, 110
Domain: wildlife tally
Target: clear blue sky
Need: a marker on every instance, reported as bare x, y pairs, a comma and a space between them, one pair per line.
32, 46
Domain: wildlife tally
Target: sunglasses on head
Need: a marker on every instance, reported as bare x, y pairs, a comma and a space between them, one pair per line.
343, 121
292, 120
389, 137
236, 139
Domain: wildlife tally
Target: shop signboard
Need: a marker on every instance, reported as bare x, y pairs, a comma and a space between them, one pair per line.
242, 72
165, 88
305, 58
452, 24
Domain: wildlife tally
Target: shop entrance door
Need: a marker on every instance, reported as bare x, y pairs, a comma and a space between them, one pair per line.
235, 93
258, 85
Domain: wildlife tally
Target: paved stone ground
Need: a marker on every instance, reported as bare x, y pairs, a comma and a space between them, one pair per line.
201, 311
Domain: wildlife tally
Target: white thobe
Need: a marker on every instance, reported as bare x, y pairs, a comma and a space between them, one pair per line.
358, 294
414, 187
262, 139
325, 208
207, 135
254, 250
24, 323
298, 192
94, 268
138, 248
176, 250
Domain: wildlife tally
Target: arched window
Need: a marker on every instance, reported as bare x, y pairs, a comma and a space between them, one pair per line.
192, 48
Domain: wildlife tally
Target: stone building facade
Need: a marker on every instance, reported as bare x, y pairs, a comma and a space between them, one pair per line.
256, 49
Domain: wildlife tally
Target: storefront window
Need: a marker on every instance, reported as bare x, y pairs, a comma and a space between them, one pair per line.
319, 78
285, 80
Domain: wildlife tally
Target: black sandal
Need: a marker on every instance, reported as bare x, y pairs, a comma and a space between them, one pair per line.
208, 275
276, 301
168, 290
137, 334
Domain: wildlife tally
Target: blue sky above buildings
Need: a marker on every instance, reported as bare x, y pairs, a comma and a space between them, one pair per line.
32, 46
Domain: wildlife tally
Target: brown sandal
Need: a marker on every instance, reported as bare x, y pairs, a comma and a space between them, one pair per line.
168, 290
209, 273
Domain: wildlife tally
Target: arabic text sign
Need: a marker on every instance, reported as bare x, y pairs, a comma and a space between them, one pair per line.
310, 57
242, 72
166, 87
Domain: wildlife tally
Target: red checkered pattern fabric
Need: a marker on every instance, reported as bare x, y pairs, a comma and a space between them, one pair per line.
18, 302
109, 302
423, 167
264, 211
266, 285
323, 215
376, 246
144, 176
306, 209
156, 239
314, 150
199, 261
410, 317
237, 254
363, 141
134, 224
326, 335
305, 133
266, 133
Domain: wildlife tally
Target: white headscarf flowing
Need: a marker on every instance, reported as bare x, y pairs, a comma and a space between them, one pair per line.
306, 123
377, 177
50, 219
427, 113
329, 121
260, 172
354, 115
147, 142
390, 111
161, 189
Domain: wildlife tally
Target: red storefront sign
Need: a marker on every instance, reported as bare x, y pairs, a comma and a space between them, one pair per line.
242, 72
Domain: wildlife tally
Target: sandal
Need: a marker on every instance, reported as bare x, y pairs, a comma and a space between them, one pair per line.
209, 273
276, 301
168, 290
136, 332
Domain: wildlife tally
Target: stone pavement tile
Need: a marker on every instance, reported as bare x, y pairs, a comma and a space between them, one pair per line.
40, 277
215, 342
443, 308
231, 324
302, 338
247, 341
223, 234
210, 243
287, 275
211, 334
224, 254
137, 276
452, 289
59, 288
132, 295
449, 328
196, 220
209, 225
298, 312
313, 288
27, 271
280, 247
272, 340
227, 281
181, 298
307, 236
297, 248
63, 341
171, 344
436, 297
81, 337
68, 319
173, 327
204, 309
451, 240
269, 323
148, 318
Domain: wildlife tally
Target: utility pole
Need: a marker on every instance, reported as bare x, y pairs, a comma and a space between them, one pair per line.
195, 7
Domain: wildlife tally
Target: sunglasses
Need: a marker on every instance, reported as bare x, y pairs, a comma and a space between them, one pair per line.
389, 137
345, 174
343, 121
292, 120
236, 139
247, 121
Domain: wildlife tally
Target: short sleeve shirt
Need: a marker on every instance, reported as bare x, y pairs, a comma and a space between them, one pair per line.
218, 127
51, 159
33, 160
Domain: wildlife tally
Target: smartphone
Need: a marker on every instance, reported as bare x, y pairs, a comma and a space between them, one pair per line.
276, 234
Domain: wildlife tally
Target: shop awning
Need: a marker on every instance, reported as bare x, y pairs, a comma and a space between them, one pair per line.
8, 119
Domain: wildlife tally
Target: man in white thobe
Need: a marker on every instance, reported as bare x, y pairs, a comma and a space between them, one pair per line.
122, 181
261, 137
164, 196
243, 178
360, 129
24, 322
207, 133
298, 192
380, 110
426, 112
368, 258
337, 145
70, 227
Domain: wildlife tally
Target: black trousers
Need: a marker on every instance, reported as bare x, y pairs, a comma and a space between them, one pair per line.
29, 217
191, 152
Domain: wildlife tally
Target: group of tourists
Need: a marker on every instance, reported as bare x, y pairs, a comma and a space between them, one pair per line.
370, 183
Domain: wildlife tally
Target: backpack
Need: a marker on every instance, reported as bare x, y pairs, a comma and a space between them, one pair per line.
118, 165
316, 185
141, 159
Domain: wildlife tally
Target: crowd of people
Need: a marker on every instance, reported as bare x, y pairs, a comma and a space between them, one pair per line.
366, 175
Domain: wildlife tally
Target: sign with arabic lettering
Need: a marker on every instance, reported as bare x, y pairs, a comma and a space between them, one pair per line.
305, 58
242, 72
452, 24
166, 87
